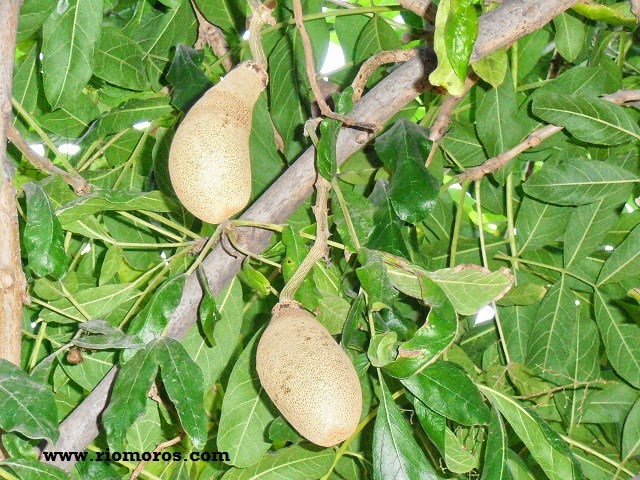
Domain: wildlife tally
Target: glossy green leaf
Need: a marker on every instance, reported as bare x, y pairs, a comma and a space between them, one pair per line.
120, 60
542, 441
631, 433
34, 469
229, 15
183, 381
376, 36
326, 149
577, 182
129, 396
97, 302
587, 81
493, 67
460, 32
374, 278
208, 313
570, 33
524, 294
134, 111
25, 80
553, 334
28, 406
91, 370
498, 121
495, 454
444, 75
462, 145
214, 358
32, 15
381, 349
70, 37
591, 120
619, 338
413, 191
396, 455
611, 404
387, 232
299, 462
109, 200
624, 261
360, 212
618, 13
447, 390
246, 412
43, 235
188, 80
539, 223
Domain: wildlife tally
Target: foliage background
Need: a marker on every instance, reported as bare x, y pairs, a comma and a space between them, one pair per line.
550, 388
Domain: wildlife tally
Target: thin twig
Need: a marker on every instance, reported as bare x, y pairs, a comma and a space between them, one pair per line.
371, 65
161, 446
311, 73
342, 3
260, 16
78, 183
442, 120
623, 96
320, 248
499, 161
211, 35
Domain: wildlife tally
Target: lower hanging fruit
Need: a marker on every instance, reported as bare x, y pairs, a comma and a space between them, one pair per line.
209, 161
308, 376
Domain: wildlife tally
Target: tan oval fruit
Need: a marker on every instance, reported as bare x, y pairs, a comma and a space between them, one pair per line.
308, 376
209, 162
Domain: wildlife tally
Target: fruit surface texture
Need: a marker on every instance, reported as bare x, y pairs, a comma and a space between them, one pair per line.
308, 376
209, 162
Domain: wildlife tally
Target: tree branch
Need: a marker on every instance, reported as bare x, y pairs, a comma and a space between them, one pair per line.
12, 279
419, 7
78, 183
292, 188
635, 8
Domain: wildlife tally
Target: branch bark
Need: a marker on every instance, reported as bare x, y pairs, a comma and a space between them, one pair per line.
292, 188
12, 280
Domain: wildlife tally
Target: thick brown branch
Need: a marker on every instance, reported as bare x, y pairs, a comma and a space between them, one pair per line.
78, 183
419, 7
286, 195
12, 280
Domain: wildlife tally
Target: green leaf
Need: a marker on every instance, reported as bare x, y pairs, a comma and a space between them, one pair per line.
71, 120
553, 334
151, 322
531, 48
91, 370
129, 396
110, 200
25, 80
588, 225
208, 314
543, 443
34, 469
570, 34
97, 302
447, 390
498, 121
413, 191
577, 182
120, 60
396, 455
326, 148
28, 407
387, 234
116, 339
493, 67
381, 349
624, 261
463, 145
375, 280
620, 338
611, 404
539, 223
614, 14
188, 80
586, 81
43, 235
591, 120
32, 15
214, 358
184, 384
444, 75
134, 111
246, 412
229, 15
631, 433
496, 450
430, 340
70, 36
460, 33
524, 294
301, 463
360, 212
377, 36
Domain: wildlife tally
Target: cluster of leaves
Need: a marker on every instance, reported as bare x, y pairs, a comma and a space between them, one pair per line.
549, 388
